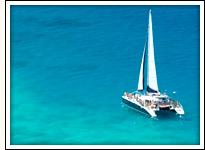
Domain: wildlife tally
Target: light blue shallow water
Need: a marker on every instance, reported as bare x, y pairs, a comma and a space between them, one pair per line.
70, 65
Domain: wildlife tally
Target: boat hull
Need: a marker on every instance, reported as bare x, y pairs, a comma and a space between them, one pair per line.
134, 106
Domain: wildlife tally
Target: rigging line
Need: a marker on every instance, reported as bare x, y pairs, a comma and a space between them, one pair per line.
175, 64
159, 70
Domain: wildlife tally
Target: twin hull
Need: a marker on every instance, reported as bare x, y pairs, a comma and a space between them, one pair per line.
142, 109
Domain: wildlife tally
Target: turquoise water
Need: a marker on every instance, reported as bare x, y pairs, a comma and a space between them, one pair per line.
70, 65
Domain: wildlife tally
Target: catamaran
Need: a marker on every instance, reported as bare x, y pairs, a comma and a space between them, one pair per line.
153, 101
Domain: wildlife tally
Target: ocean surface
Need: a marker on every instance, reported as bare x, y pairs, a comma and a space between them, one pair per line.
70, 65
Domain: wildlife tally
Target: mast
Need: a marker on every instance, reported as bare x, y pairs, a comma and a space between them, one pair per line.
152, 86
141, 76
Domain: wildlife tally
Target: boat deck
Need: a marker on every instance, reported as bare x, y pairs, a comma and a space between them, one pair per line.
146, 103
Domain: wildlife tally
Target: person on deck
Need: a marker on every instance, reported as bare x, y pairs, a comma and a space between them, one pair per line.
170, 101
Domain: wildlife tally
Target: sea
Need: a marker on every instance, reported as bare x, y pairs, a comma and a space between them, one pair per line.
71, 64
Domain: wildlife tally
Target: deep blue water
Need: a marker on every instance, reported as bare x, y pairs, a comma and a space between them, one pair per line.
70, 65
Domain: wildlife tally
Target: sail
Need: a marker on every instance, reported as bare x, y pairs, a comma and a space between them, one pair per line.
152, 86
141, 76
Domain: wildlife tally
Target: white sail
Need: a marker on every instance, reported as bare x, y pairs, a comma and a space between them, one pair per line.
141, 76
152, 86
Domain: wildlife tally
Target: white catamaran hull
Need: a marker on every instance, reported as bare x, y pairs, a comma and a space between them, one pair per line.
148, 109
135, 105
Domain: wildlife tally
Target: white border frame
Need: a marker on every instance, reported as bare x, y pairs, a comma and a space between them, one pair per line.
9, 3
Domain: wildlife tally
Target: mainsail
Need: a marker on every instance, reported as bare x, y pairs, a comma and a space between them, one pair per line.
152, 86
141, 77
